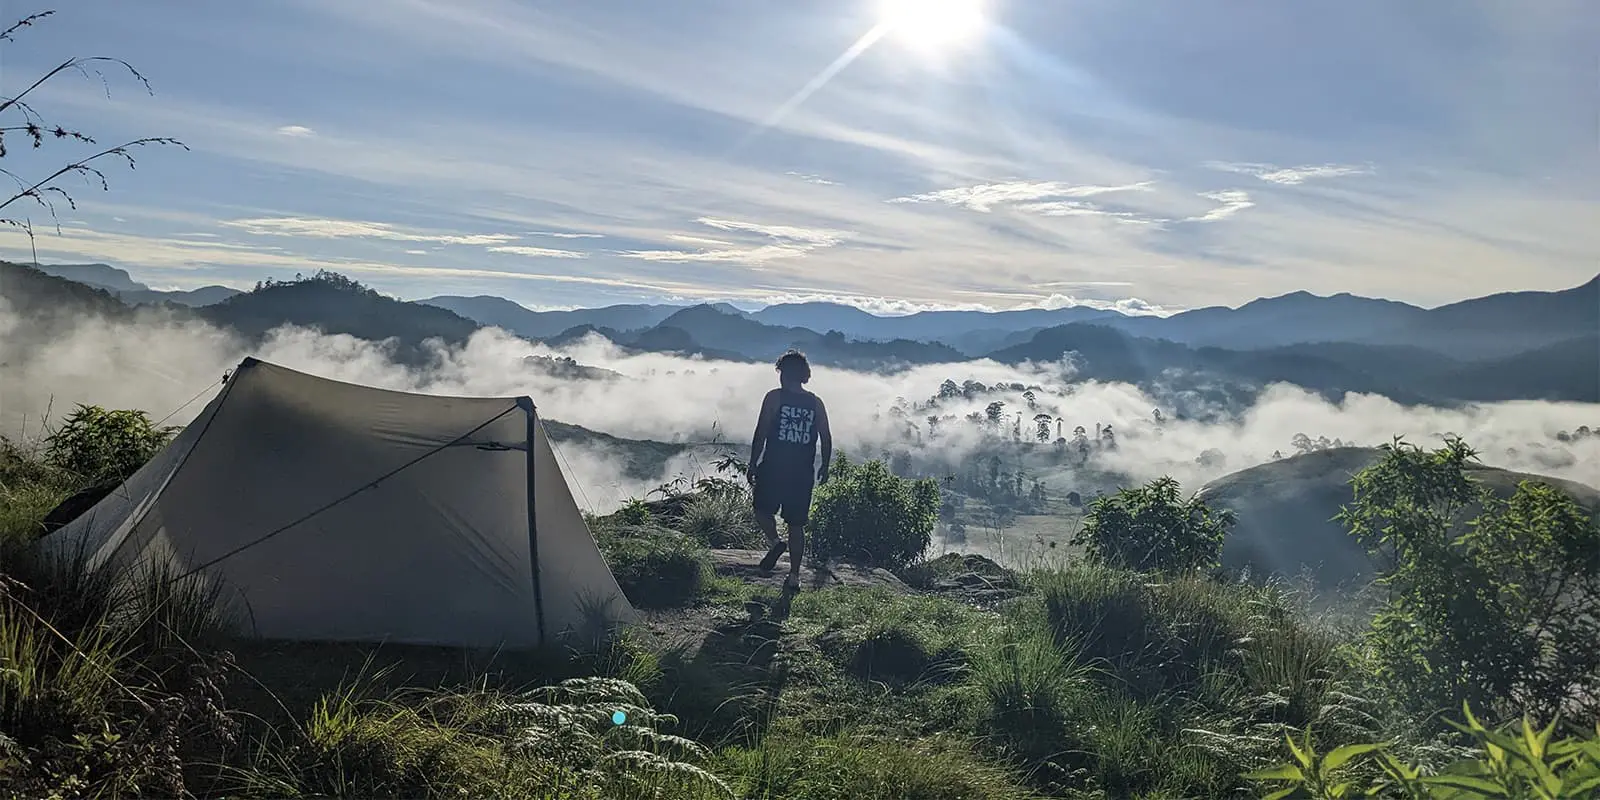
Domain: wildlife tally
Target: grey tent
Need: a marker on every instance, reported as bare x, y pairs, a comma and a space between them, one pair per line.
332, 511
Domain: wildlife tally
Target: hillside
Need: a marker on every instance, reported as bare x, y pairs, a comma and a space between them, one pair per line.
1285, 511
336, 305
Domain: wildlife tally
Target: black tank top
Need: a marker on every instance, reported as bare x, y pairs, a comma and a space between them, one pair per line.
792, 439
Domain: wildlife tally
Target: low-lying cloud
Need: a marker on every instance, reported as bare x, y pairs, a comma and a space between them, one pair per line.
157, 364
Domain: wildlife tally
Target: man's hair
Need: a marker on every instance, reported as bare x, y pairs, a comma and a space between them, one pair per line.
794, 364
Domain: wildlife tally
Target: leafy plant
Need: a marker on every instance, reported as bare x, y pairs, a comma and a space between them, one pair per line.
98, 445
1512, 762
1505, 615
868, 514
1153, 528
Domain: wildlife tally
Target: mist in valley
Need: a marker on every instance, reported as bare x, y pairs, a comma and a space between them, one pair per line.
170, 368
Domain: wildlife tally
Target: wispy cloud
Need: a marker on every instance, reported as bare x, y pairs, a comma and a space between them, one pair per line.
984, 197
566, 235
1289, 176
296, 131
537, 252
793, 242
816, 179
351, 229
1230, 202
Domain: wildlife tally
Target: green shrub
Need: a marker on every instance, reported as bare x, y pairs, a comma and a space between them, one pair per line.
97, 445
1152, 528
867, 514
1505, 616
657, 568
721, 520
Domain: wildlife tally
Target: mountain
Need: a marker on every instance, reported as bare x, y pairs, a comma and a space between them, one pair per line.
717, 329
1499, 325
946, 327
1296, 318
122, 285
524, 321
334, 304
1568, 371
103, 276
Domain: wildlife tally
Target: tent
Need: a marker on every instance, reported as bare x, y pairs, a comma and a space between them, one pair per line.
331, 511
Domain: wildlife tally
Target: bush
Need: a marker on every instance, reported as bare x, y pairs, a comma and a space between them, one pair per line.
1152, 528
721, 520
97, 445
867, 514
658, 568
1505, 616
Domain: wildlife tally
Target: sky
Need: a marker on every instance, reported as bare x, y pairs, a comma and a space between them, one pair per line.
1149, 156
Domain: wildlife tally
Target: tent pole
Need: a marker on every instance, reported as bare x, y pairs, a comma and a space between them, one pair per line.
533, 516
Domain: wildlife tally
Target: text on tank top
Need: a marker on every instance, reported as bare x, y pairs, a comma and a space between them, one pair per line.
793, 438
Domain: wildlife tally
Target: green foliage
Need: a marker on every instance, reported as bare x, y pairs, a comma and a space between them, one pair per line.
557, 741
657, 568
1514, 761
722, 519
1152, 528
866, 513
1505, 615
634, 512
97, 445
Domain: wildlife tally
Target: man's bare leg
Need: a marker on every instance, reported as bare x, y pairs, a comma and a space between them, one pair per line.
797, 545
769, 528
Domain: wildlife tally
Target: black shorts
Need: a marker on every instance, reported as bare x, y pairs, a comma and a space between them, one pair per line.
785, 490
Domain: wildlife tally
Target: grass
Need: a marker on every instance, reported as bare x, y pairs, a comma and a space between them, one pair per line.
1087, 682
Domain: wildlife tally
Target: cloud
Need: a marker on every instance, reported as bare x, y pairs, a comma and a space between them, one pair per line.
1289, 176
157, 363
1231, 201
984, 197
816, 179
416, 252
351, 229
794, 242
537, 252
565, 235
296, 131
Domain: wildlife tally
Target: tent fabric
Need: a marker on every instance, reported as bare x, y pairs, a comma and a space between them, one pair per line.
333, 511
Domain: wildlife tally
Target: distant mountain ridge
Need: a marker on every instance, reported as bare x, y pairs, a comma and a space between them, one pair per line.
122, 285
1514, 345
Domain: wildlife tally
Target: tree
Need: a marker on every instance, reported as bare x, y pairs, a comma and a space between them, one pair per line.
1153, 528
44, 192
994, 411
1501, 610
1042, 427
1031, 398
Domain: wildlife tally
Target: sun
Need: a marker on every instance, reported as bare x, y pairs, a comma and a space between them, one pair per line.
931, 24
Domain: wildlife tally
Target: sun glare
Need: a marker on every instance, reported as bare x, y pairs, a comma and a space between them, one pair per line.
932, 24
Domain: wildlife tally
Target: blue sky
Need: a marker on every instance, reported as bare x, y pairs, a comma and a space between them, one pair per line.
1162, 153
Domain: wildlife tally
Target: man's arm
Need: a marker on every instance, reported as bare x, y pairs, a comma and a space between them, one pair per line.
825, 439
769, 408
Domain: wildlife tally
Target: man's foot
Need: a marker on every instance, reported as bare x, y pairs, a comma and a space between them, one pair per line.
770, 560
792, 583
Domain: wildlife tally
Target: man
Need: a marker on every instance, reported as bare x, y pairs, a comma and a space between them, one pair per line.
783, 460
